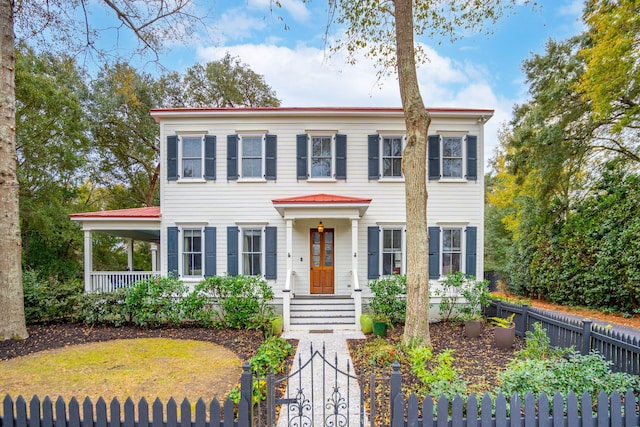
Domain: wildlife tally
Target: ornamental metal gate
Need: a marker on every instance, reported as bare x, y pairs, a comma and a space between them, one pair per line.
320, 392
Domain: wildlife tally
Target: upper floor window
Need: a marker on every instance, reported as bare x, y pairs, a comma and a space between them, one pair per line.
191, 157
192, 154
321, 156
453, 157
385, 156
251, 157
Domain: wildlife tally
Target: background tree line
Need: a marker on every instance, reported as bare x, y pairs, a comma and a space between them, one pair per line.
563, 198
87, 144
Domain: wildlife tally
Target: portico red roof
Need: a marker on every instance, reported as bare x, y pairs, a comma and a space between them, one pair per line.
320, 199
148, 212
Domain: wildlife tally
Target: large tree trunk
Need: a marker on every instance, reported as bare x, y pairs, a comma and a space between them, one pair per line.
417, 121
12, 322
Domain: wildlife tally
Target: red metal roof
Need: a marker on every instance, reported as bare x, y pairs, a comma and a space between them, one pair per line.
148, 212
320, 199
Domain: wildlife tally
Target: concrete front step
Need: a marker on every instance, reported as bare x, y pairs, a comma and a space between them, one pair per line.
322, 312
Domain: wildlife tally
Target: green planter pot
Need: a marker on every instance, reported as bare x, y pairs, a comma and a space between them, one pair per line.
380, 329
366, 323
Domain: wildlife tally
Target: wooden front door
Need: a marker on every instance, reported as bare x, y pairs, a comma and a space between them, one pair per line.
321, 261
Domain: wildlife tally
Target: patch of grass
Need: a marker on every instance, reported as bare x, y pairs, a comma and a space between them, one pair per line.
136, 368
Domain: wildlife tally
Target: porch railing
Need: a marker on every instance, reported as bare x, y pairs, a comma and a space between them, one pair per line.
108, 281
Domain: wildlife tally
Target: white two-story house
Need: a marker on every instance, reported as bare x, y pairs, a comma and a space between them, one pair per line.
312, 199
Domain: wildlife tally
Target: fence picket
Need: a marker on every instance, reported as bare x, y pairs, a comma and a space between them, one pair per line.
228, 413
530, 410
7, 410
412, 411
21, 412
34, 410
442, 416
157, 416
397, 419
472, 411
214, 411
87, 412
615, 408
544, 420
573, 420
114, 409
427, 412
631, 417
201, 414
457, 411
487, 407
501, 411
172, 413
101, 413
61, 413
129, 413
185, 413
143, 413
515, 406
586, 404
74, 413
603, 409
558, 409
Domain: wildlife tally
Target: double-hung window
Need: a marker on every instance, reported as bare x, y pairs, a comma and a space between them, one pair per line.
252, 251
451, 250
192, 252
252, 158
191, 157
385, 157
392, 251
321, 156
453, 157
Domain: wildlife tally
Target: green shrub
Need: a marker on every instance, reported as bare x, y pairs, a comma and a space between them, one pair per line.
538, 345
155, 301
437, 375
243, 301
197, 305
103, 308
389, 297
449, 292
48, 300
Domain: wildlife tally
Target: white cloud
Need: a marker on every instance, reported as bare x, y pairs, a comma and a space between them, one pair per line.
295, 8
236, 24
303, 77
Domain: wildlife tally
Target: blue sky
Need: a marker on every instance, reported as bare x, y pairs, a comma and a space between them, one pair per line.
479, 71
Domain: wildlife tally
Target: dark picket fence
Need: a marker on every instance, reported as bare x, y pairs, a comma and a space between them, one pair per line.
622, 350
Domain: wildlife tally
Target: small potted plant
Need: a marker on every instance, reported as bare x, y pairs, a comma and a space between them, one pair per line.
505, 331
476, 292
380, 322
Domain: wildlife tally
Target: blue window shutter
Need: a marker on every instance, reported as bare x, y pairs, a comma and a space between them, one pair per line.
232, 251
374, 156
434, 252
210, 157
373, 252
172, 158
472, 237
271, 256
341, 156
271, 151
232, 157
301, 156
210, 251
172, 250
434, 156
472, 157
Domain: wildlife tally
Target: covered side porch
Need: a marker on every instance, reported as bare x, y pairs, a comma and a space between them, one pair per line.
136, 224
322, 288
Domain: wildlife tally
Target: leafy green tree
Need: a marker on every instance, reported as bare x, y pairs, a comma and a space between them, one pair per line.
52, 147
223, 83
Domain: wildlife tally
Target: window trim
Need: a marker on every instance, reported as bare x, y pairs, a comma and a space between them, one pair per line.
390, 178
181, 176
332, 172
463, 166
241, 248
462, 249
181, 252
263, 157
403, 247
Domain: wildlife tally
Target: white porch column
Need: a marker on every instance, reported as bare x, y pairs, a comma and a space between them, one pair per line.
130, 254
357, 291
286, 292
88, 259
154, 257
